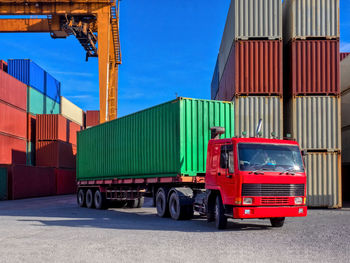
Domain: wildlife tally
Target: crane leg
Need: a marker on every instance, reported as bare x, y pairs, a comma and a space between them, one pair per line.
113, 82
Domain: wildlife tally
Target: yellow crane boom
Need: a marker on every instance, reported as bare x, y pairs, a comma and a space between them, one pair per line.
94, 23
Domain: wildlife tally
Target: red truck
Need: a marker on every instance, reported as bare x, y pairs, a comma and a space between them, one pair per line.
245, 178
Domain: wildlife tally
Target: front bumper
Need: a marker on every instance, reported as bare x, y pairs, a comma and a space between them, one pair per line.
268, 212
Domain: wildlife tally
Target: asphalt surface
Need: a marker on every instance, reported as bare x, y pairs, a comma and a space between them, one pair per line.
55, 229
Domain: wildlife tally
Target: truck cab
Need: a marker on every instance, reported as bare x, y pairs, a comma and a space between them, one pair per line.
254, 178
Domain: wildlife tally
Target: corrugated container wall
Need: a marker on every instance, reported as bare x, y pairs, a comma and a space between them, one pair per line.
344, 55
310, 19
345, 150
248, 111
13, 91
3, 66
27, 72
345, 74
92, 118
323, 171
166, 140
312, 67
254, 67
52, 88
13, 120
215, 81
56, 154
71, 111
250, 19
345, 109
12, 150
314, 122
38, 103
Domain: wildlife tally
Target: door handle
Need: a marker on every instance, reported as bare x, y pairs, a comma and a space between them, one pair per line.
229, 176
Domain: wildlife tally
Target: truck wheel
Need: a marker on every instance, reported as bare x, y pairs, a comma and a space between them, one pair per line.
161, 203
141, 201
277, 221
100, 200
220, 218
174, 206
89, 199
81, 198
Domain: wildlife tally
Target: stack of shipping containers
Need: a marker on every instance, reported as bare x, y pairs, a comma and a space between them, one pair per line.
92, 118
43, 96
311, 93
345, 118
249, 68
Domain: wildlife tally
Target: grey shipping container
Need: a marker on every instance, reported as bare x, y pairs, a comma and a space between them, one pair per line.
345, 74
345, 108
310, 19
314, 121
248, 111
345, 136
250, 19
323, 171
215, 81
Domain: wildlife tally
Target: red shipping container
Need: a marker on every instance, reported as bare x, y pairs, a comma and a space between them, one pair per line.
56, 154
31, 127
13, 120
344, 55
30, 181
65, 182
312, 67
12, 91
92, 118
12, 150
56, 127
3, 66
254, 67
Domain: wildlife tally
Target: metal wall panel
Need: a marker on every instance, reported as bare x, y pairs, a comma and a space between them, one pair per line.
71, 111
13, 121
310, 19
250, 19
248, 111
314, 122
52, 88
323, 171
165, 140
312, 67
345, 74
345, 149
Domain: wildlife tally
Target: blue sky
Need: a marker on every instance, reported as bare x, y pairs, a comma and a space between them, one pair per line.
168, 48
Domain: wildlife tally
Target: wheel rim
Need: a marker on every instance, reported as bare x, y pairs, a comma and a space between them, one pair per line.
89, 198
80, 197
97, 199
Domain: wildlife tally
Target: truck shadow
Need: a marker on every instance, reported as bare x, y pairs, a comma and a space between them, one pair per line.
68, 214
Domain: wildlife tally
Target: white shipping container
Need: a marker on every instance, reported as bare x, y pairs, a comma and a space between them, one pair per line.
345, 74
71, 111
248, 111
314, 121
250, 19
323, 171
345, 150
310, 19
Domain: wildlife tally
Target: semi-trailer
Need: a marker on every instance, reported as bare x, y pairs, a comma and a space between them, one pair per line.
173, 153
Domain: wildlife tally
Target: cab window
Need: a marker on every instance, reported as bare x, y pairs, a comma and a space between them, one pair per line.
226, 158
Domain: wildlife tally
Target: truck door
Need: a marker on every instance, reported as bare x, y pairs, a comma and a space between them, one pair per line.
225, 176
214, 158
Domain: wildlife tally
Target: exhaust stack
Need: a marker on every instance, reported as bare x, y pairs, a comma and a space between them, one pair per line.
216, 132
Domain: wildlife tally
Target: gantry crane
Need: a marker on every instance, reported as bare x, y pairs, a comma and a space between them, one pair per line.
94, 23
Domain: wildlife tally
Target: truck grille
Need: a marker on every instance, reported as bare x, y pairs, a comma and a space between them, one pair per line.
275, 200
273, 189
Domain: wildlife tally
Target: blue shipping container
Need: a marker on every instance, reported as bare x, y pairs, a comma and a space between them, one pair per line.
53, 88
28, 72
215, 81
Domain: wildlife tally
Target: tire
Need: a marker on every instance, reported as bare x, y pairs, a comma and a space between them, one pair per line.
220, 218
141, 202
277, 221
89, 197
132, 203
161, 203
178, 211
81, 198
100, 201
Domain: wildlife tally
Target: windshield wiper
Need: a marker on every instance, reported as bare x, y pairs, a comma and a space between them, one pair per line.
288, 171
256, 172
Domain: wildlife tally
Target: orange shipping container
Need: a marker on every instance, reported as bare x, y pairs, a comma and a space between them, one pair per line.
13, 120
92, 118
12, 150
12, 91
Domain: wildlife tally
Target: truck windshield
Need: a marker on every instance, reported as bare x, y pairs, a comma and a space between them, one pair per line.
269, 157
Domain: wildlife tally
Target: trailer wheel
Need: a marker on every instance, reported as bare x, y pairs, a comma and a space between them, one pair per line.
161, 203
89, 199
141, 201
81, 198
100, 200
220, 218
277, 221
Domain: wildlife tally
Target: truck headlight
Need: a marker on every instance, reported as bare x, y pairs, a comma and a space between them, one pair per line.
298, 200
247, 201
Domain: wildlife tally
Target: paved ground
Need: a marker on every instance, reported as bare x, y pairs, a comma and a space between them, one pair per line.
54, 229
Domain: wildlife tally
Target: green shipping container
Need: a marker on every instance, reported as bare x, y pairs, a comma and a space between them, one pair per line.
38, 103
3, 183
166, 140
